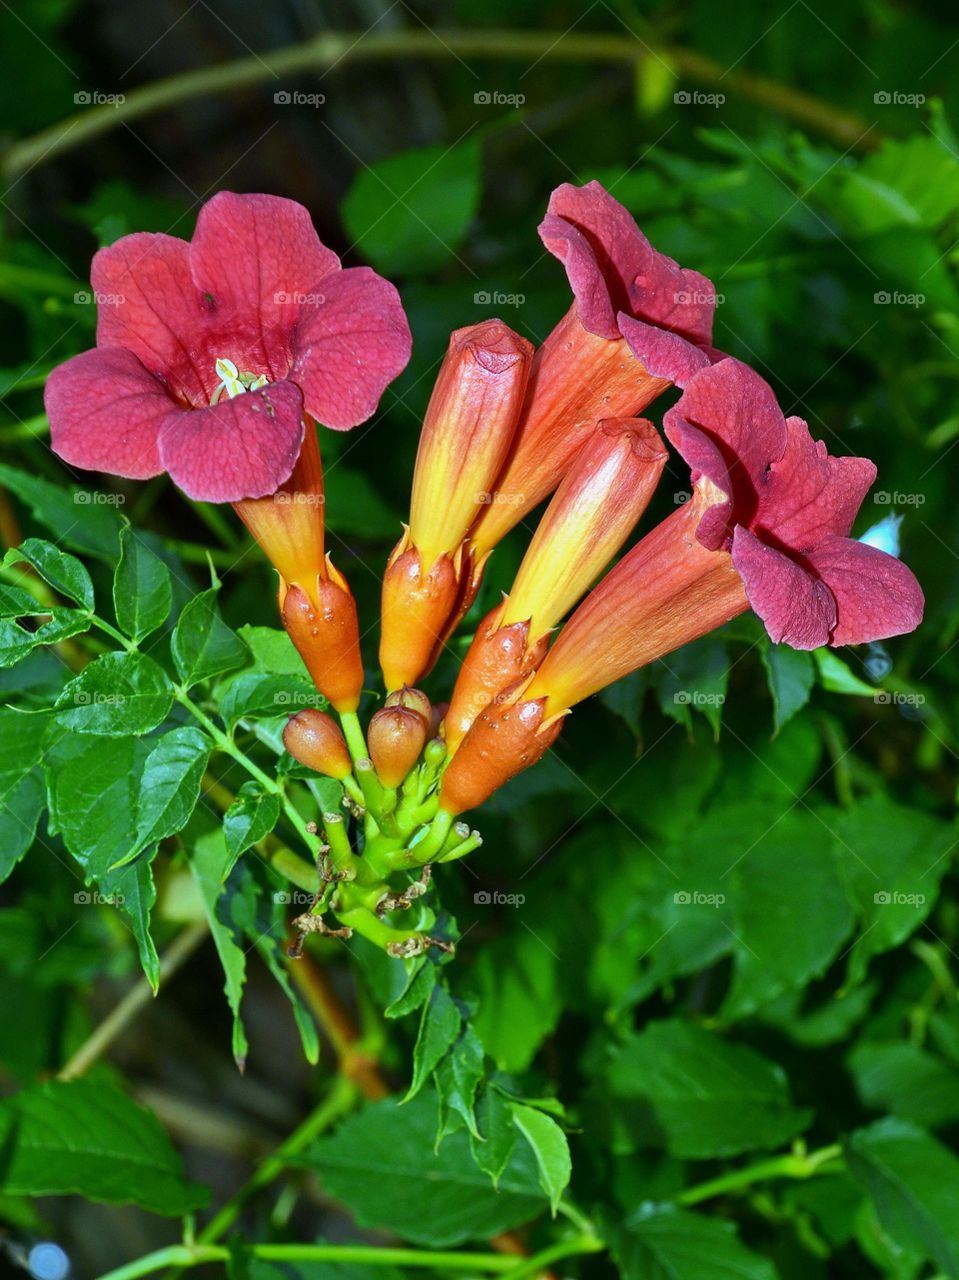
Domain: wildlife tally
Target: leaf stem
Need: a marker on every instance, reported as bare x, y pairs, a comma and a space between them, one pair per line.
794, 1165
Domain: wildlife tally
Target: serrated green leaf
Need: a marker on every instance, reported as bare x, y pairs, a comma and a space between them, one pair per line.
710, 1096
203, 645
58, 568
87, 1138
907, 1080
252, 816
518, 995
662, 1241
457, 1079
116, 695
549, 1146
493, 1149
142, 591
228, 909
381, 1164
22, 795
791, 675
694, 678
422, 979
913, 1181
439, 1026
273, 651
835, 675
253, 695
76, 517
169, 787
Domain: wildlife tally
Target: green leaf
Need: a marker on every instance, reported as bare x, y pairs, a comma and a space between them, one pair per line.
660, 1242
457, 1078
411, 211
711, 1097
549, 1146
58, 568
913, 1182
492, 1151
420, 982
87, 1138
439, 1026
273, 651
382, 1166
169, 787
228, 909
270, 945
694, 678
791, 675
907, 1080
116, 695
518, 997
892, 860
254, 695
909, 183
203, 645
77, 517
22, 795
835, 675
16, 641
142, 592
252, 815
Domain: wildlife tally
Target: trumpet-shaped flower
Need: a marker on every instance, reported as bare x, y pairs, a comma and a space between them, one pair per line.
468, 427
210, 353
639, 322
595, 508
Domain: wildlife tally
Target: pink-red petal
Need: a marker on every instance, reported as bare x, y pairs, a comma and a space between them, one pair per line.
260, 262
796, 607
729, 428
240, 448
148, 303
350, 347
665, 354
612, 267
808, 495
876, 595
106, 412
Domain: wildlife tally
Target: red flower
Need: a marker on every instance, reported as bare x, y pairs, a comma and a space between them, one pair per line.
638, 323
254, 303
787, 514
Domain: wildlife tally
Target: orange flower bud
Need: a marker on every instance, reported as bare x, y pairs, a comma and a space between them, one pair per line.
325, 631
431, 579
506, 737
665, 592
415, 699
396, 736
315, 739
288, 524
416, 608
499, 655
467, 431
576, 379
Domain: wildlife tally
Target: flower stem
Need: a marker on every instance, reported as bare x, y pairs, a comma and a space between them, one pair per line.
353, 732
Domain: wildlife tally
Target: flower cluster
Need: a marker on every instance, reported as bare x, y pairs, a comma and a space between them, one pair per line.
217, 360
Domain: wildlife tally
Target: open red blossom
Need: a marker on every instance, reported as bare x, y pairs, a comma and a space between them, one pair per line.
626, 288
788, 510
255, 303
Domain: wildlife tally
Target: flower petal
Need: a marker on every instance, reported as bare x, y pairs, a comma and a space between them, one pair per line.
240, 448
876, 595
350, 348
106, 411
612, 267
148, 303
260, 261
728, 427
662, 353
808, 495
796, 607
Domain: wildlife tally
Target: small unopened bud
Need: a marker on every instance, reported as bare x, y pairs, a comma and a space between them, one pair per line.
435, 753
396, 736
414, 699
326, 633
314, 738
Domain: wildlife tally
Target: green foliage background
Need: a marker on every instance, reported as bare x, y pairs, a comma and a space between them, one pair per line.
709, 947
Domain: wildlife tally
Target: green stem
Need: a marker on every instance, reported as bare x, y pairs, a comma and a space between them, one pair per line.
353, 733
343, 48
182, 1255
794, 1165
337, 1103
537, 1264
